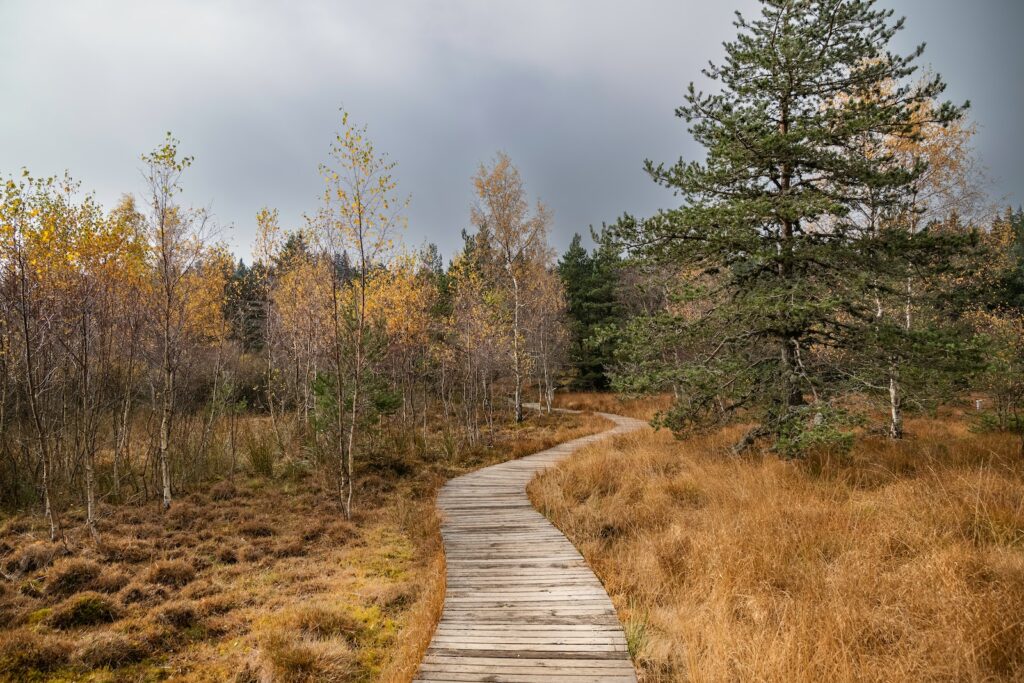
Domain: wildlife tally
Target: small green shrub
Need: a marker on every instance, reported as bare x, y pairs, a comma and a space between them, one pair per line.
636, 635
815, 428
989, 422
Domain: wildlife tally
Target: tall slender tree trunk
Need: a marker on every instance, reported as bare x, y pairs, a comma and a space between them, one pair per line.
339, 395
122, 444
350, 461
4, 372
199, 462
33, 401
357, 375
791, 394
549, 386
895, 389
517, 360
232, 424
895, 405
87, 440
166, 407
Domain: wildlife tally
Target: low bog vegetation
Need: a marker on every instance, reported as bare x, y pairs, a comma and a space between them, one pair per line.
896, 561
642, 408
248, 580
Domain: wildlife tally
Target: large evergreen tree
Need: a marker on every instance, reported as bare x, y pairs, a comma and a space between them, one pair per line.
785, 240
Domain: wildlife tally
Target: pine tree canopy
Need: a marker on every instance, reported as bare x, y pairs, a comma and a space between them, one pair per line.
590, 282
796, 227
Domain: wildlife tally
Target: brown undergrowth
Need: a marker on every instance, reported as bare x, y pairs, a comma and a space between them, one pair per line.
642, 407
895, 562
260, 579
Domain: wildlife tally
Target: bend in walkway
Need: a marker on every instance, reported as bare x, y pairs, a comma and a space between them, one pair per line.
521, 604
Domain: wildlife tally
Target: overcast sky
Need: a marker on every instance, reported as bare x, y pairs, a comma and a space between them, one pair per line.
578, 92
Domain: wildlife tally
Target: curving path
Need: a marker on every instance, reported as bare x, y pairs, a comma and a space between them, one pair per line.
521, 603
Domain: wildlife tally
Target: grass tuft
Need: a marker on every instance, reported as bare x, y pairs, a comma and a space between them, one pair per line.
84, 609
24, 652
179, 614
71, 576
33, 557
112, 650
175, 573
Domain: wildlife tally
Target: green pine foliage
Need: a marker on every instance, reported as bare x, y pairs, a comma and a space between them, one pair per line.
1011, 292
590, 281
245, 306
792, 231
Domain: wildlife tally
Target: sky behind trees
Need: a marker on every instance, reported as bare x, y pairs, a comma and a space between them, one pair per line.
577, 93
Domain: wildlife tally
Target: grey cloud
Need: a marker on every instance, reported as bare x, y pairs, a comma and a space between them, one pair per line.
578, 92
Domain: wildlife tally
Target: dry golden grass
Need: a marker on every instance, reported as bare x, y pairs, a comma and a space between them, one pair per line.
420, 625
643, 408
253, 580
900, 561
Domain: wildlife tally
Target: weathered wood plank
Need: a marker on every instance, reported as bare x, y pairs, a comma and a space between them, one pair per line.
522, 604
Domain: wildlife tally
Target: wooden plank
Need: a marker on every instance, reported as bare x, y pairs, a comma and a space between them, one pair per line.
522, 604
568, 675
515, 663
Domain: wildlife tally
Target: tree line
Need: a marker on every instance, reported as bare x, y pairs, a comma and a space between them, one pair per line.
139, 360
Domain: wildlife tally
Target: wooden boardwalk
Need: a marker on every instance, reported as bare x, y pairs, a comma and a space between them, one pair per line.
521, 604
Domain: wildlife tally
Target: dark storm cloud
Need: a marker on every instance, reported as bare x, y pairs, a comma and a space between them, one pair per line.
577, 92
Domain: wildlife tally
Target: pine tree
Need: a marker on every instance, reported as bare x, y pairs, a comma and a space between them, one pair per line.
576, 270
245, 306
783, 240
1011, 290
590, 281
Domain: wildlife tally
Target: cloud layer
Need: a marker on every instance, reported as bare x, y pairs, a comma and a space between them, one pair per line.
578, 92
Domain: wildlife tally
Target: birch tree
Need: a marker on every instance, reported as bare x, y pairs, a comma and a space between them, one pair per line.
519, 238
547, 330
178, 239
946, 189
361, 215
27, 230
